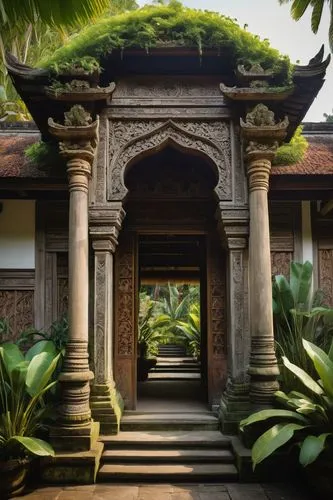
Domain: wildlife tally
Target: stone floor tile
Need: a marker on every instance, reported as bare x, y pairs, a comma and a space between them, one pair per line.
116, 492
281, 491
154, 495
85, 488
214, 495
246, 491
213, 487
75, 495
185, 495
38, 495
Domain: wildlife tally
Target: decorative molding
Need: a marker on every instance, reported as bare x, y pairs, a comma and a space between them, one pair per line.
17, 279
129, 140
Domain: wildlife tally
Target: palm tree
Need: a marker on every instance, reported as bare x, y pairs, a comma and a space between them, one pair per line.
53, 13
299, 7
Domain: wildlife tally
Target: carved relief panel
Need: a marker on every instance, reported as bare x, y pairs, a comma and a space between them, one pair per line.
216, 321
131, 139
126, 318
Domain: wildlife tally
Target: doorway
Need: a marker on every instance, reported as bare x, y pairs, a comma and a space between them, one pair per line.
172, 334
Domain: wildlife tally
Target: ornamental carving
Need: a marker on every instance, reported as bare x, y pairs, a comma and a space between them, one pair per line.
280, 262
125, 322
325, 257
131, 139
17, 308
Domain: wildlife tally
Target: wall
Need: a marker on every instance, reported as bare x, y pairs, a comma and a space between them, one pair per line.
17, 234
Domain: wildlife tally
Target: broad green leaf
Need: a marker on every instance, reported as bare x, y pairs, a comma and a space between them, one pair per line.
323, 365
300, 281
330, 352
40, 371
35, 446
41, 346
11, 356
303, 377
311, 447
317, 11
282, 293
271, 413
298, 8
271, 440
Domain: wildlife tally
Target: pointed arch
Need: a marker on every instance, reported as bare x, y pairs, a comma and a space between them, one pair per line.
132, 140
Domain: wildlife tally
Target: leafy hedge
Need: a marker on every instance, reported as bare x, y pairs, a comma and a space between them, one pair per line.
162, 25
292, 152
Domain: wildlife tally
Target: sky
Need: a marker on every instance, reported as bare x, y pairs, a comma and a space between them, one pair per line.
269, 19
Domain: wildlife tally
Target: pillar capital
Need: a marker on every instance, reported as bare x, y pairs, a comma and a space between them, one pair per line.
104, 225
77, 143
233, 226
262, 136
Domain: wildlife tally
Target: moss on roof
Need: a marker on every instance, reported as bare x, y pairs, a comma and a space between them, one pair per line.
162, 25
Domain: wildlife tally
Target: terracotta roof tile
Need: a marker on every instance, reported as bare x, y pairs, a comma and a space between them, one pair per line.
13, 162
318, 158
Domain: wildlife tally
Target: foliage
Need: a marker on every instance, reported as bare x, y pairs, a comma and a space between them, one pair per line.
191, 329
151, 332
78, 65
57, 12
44, 154
328, 117
24, 381
162, 25
57, 334
4, 329
13, 111
298, 314
304, 419
299, 7
292, 151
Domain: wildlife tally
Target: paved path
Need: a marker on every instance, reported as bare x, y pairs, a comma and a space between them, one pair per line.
228, 491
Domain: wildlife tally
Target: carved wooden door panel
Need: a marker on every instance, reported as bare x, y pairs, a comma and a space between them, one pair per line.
125, 361
216, 321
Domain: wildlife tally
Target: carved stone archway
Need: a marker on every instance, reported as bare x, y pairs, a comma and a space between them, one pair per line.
129, 140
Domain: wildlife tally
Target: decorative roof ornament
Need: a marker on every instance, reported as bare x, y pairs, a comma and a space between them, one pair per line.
78, 136
262, 133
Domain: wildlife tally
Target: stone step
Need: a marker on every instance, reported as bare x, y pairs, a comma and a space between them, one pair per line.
168, 472
174, 376
176, 369
168, 421
136, 455
166, 440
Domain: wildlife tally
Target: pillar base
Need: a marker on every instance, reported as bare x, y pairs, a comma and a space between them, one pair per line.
74, 438
234, 406
72, 467
107, 407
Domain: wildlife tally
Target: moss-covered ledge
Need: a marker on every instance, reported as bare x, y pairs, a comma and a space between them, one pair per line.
176, 25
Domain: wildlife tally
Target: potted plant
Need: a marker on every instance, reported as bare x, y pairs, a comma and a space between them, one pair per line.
24, 380
303, 418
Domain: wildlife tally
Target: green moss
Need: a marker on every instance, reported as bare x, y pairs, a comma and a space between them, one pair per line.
293, 151
85, 64
162, 25
44, 154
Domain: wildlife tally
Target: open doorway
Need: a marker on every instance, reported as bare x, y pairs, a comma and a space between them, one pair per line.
172, 338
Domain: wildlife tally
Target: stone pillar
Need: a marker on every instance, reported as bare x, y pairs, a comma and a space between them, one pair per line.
262, 136
106, 402
234, 403
74, 431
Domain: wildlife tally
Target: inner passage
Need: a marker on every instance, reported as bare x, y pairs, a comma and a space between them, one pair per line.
170, 340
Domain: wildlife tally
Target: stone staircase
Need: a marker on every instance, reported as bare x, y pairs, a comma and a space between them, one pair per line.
173, 363
168, 447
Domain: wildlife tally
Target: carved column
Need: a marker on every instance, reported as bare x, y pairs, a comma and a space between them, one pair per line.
75, 430
262, 136
234, 405
106, 402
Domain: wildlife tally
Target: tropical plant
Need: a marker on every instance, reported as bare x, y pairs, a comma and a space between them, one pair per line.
57, 334
298, 313
190, 329
303, 418
57, 12
299, 7
151, 327
24, 381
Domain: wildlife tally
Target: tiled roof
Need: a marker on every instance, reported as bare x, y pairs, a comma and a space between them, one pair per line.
13, 162
318, 159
